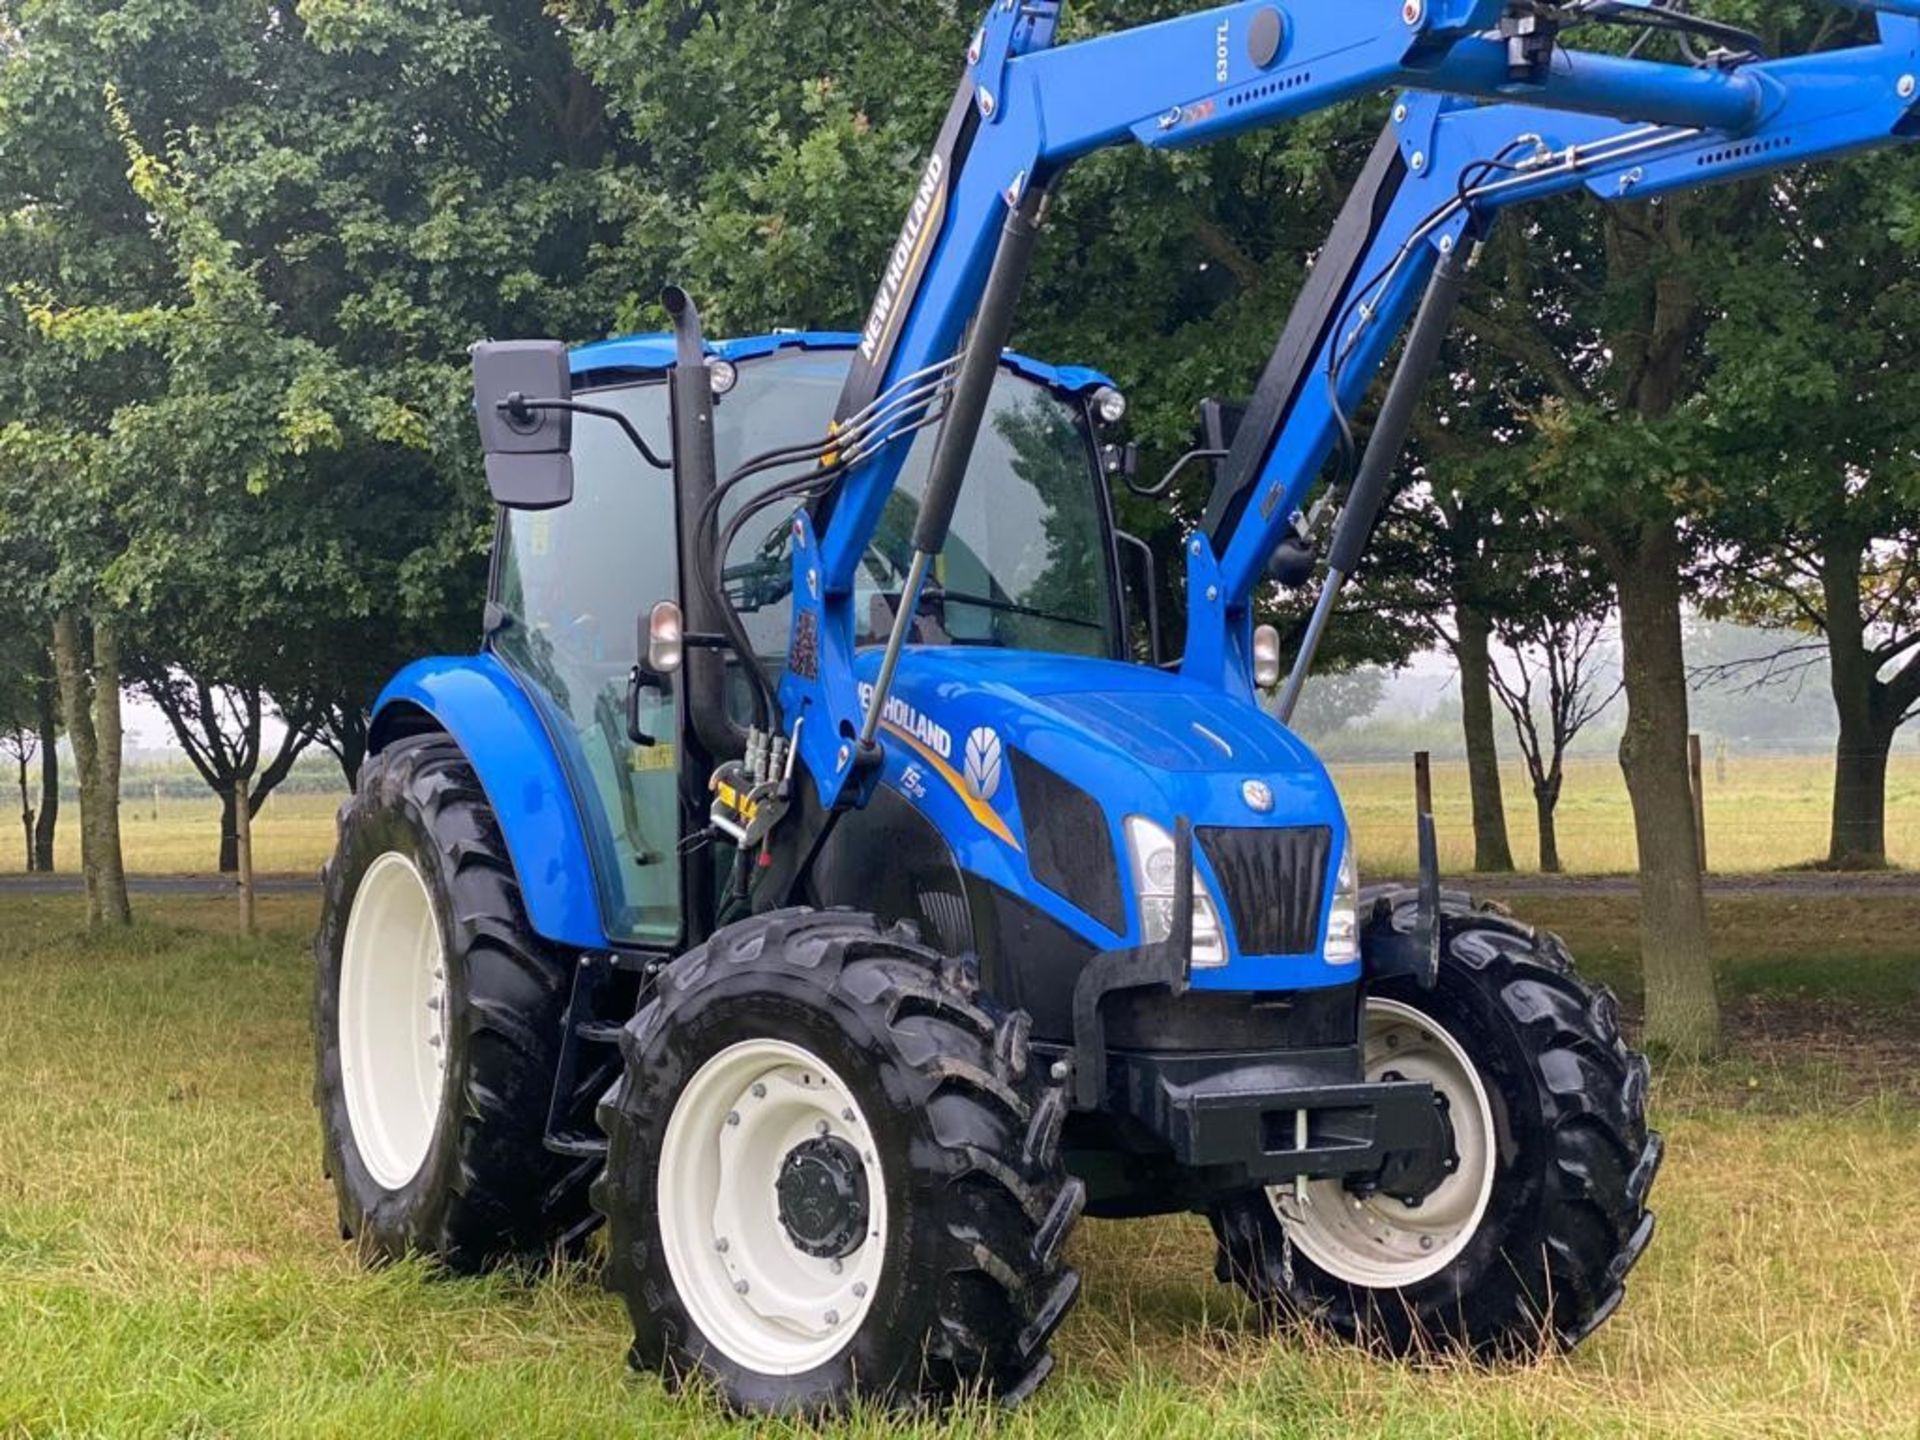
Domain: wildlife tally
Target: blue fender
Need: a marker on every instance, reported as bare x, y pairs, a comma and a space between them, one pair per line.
477, 701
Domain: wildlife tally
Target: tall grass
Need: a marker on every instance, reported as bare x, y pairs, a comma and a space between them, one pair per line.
169, 1263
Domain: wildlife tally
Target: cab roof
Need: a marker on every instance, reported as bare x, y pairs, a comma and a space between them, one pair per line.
655, 352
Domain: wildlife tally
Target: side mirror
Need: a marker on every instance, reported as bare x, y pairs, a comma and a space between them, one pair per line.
521, 389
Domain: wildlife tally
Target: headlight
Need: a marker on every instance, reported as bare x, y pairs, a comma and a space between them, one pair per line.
1151, 849
1343, 922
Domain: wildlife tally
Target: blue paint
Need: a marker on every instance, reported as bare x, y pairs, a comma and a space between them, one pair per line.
477, 701
1190, 80
655, 353
1142, 741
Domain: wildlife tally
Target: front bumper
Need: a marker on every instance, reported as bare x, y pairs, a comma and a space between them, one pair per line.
1271, 1116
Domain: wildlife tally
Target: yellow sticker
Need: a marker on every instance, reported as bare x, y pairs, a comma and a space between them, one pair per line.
655, 757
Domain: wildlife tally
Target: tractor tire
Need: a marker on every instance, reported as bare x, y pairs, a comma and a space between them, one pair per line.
438, 1018
1524, 1240
834, 1177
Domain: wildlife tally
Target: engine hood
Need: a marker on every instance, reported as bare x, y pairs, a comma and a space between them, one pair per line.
959, 723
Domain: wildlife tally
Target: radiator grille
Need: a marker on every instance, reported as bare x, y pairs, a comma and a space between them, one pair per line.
1068, 845
1274, 881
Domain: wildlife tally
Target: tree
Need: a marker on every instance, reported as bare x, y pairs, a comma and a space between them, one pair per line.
19, 739
28, 732
1820, 458
1550, 687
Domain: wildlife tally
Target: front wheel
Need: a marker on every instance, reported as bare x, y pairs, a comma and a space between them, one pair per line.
834, 1175
1517, 1234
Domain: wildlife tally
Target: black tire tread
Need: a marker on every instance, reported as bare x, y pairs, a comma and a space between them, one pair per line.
1001, 1220
507, 1200
1599, 1165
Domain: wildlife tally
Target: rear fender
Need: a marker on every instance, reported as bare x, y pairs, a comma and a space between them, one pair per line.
477, 701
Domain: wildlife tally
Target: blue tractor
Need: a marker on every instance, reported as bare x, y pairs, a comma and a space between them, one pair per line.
817, 880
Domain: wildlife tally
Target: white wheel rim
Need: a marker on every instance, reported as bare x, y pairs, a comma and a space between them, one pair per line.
1375, 1240
757, 1296
393, 1020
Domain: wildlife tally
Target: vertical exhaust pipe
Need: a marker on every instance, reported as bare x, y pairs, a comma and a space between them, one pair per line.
694, 479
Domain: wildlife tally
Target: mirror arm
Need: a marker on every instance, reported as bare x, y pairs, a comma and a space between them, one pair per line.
518, 407
1154, 492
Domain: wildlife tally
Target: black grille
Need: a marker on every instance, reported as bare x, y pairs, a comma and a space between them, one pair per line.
1068, 844
1274, 882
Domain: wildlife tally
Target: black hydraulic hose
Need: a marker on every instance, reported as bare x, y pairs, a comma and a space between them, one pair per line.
1404, 394
992, 325
1384, 447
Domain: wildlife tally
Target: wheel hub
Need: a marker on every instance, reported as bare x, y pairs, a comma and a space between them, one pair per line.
1411, 1175
822, 1191
1423, 1209
772, 1205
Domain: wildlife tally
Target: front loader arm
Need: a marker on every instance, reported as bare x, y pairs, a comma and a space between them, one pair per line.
1444, 171
1026, 109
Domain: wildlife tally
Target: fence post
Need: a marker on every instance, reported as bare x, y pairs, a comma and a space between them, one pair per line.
1422, 782
1695, 772
243, 851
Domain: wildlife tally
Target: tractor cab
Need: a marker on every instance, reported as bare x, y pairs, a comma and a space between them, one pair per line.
1032, 565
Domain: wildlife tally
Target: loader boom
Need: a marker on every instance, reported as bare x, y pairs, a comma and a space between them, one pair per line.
1560, 119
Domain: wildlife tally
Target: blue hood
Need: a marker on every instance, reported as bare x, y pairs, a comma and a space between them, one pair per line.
1141, 741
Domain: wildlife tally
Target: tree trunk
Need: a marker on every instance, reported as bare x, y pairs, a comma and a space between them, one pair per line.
26, 809
229, 832
115, 907
1683, 1013
1858, 839
243, 854
43, 831
1492, 854
70, 671
1546, 799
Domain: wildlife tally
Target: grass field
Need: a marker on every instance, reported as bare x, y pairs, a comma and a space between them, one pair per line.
1765, 814
169, 1264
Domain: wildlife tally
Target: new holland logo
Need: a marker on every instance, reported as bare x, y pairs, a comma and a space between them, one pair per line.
984, 763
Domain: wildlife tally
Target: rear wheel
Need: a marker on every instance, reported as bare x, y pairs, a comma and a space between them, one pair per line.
1518, 1234
437, 1026
833, 1175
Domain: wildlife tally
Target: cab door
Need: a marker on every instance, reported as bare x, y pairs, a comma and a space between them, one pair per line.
569, 586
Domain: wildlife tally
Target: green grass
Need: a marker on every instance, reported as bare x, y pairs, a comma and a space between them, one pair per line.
1767, 814
169, 1263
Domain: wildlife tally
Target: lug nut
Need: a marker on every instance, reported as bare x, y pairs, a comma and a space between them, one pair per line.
859, 1289
833, 1317
739, 1287
847, 1115
820, 1127
733, 1117
835, 1266
759, 1091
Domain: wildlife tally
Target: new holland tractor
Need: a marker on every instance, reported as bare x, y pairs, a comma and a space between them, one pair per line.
810, 881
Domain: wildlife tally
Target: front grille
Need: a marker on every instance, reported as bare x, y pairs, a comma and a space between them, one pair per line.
1068, 845
1274, 882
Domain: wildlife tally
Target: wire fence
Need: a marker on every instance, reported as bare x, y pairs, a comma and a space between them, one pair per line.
1763, 812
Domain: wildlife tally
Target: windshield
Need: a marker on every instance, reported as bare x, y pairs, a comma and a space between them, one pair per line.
1027, 565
